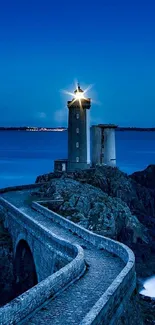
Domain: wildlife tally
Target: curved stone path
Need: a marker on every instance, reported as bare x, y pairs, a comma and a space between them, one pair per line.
71, 305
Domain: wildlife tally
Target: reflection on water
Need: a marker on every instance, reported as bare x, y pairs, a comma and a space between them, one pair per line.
149, 287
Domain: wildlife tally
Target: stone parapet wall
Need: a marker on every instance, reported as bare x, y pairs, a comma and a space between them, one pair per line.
20, 187
40, 232
109, 307
23, 305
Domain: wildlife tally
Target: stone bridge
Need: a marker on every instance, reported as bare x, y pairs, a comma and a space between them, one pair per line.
69, 274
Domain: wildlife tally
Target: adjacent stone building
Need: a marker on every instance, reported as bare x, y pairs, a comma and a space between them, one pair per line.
103, 144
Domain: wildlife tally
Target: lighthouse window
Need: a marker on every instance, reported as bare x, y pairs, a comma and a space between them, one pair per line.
77, 144
77, 159
77, 116
77, 130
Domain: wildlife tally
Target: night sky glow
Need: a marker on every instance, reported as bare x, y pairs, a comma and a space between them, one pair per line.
45, 46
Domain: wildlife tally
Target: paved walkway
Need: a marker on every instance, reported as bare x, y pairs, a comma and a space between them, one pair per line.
71, 306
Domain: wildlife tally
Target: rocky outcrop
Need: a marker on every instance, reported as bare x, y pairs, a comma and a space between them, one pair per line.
147, 305
115, 183
109, 202
92, 208
145, 177
132, 314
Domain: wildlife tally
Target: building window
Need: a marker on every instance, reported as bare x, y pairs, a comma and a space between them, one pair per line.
77, 144
77, 115
77, 159
77, 130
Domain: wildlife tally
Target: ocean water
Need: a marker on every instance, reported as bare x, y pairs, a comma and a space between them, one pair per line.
149, 287
25, 155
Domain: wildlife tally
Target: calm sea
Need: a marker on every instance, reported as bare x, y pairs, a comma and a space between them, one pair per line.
24, 155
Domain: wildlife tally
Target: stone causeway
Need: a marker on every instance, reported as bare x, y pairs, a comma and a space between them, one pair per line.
83, 278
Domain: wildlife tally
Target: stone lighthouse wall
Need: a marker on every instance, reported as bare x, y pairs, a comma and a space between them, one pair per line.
78, 138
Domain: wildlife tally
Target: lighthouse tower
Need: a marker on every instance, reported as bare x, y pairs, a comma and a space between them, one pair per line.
78, 131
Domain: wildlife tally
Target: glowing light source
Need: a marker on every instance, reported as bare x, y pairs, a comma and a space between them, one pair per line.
78, 94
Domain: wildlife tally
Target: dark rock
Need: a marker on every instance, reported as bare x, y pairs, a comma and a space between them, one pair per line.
145, 177
132, 314
148, 309
47, 177
104, 214
115, 183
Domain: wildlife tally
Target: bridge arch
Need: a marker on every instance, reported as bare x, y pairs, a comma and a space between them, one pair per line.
24, 268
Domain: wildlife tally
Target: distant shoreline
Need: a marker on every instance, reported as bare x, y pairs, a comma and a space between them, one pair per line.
135, 129
60, 129
33, 129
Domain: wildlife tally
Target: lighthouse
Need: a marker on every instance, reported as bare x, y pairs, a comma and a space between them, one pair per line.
78, 131
103, 149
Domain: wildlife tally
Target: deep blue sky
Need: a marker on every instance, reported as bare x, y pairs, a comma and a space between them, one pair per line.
46, 45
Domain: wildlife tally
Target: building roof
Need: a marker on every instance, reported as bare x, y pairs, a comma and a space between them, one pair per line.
78, 90
109, 126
